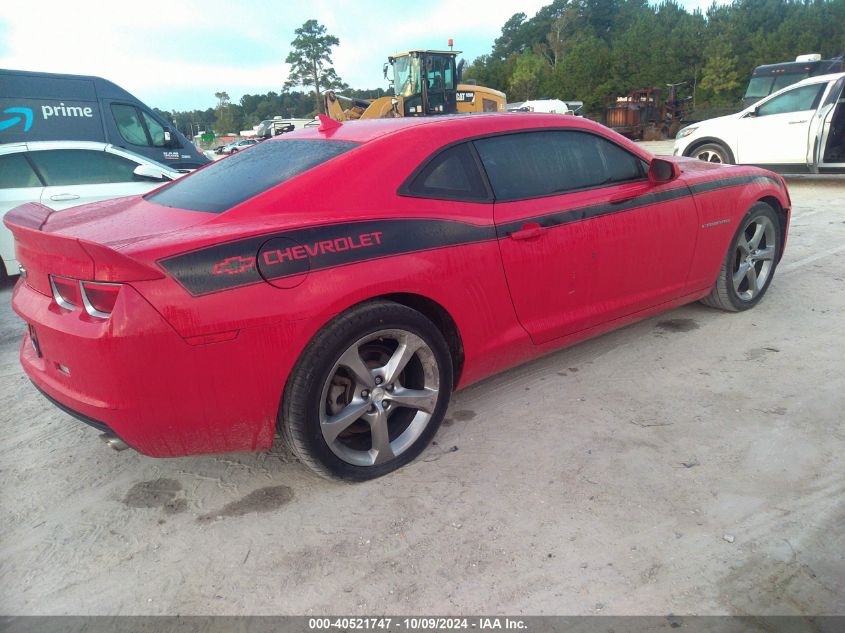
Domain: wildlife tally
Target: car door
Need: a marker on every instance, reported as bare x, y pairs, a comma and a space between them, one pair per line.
829, 129
585, 238
80, 176
19, 184
777, 131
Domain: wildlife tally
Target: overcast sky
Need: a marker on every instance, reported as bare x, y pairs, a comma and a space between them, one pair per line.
176, 54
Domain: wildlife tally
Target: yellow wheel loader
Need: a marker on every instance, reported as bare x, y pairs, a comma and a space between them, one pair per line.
425, 83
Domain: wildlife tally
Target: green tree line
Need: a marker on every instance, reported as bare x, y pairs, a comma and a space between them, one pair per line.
594, 50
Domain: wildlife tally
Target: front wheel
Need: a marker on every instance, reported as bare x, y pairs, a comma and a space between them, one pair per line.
368, 393
750, 262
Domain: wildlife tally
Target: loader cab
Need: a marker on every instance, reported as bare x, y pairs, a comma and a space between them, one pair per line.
426, 81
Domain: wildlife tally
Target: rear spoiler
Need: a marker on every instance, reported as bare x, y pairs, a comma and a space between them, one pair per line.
43, 253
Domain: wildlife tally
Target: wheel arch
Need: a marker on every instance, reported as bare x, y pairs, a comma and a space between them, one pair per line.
710, 139
783, 219
442, 320
428, 307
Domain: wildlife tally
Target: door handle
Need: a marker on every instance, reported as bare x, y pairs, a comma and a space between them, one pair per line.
61, 197
529, 231
797, 122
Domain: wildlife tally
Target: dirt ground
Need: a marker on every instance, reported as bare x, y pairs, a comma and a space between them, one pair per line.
691, 463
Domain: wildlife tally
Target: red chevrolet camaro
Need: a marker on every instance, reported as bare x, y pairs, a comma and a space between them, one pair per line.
337, 284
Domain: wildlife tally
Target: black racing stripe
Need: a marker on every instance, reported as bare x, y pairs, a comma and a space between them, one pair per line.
714, 185
293, 252
557, 218
273, 256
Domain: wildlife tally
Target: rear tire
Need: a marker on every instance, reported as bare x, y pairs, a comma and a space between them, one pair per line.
750, 262
368, 393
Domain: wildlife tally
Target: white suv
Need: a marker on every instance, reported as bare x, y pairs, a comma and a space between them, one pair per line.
62, 174
799, 129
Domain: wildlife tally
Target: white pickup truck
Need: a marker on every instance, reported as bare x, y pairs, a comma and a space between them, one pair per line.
799, 129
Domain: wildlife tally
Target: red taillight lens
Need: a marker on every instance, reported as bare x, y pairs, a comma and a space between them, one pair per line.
96, 298
100, 297
66, 292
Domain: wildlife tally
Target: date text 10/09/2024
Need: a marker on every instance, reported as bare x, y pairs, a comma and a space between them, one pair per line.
416, 623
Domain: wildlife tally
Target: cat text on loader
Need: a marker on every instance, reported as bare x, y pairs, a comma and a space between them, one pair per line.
425, 84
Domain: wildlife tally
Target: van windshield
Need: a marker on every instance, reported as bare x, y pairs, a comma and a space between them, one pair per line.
230, 181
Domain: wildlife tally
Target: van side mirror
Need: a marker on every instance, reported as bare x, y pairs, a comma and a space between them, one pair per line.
661, 171
148, 172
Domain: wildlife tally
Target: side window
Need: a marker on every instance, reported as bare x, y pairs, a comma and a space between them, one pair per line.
63, 167
835, 92
782, 81
536, 164
16, 172
451, 175
156, 130
129, 124
796, 100
759, 87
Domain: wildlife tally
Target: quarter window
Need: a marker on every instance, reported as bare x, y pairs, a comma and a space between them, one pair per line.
16, 172
536, 164
451, 175
64, 167
795, 100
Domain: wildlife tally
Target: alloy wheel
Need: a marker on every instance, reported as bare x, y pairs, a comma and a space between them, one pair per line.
379, 397
754, 254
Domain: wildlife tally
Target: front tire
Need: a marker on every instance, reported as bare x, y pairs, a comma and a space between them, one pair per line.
368, 393
750, 262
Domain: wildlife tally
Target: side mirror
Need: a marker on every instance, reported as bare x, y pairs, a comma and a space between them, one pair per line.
661, 171
148, 172
385, 70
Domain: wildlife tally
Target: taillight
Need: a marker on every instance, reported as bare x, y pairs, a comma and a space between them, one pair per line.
66, 292
95, 297
99, 298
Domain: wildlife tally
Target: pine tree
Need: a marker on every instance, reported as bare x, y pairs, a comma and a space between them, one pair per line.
311, 61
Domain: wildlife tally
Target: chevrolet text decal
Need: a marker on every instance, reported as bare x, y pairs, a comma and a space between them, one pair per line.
276, 256
296, 252
299, 251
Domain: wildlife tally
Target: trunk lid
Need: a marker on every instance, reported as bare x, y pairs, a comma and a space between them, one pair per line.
85, 242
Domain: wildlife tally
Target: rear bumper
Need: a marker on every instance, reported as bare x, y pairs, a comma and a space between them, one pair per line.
143, 382
103, 428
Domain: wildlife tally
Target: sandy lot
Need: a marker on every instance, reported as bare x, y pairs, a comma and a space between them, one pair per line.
691, 463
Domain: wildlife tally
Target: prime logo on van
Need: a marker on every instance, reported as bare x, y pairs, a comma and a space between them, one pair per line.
24, 116
62, 110
24, 120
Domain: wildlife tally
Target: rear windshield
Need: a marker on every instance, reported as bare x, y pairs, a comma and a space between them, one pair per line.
230, 181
